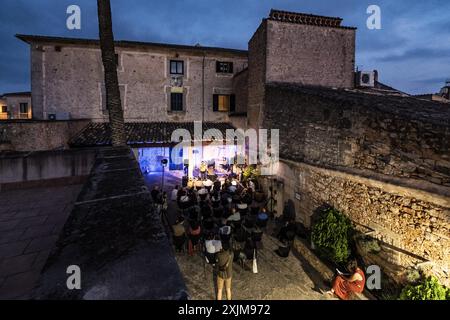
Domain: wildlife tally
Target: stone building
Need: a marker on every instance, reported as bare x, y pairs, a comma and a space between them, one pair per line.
16, 105
158, 82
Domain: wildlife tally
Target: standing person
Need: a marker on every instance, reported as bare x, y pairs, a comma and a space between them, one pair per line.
203, 170
224, 264
174, 194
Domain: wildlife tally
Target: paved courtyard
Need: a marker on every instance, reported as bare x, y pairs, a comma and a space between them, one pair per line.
277, 278
30, 222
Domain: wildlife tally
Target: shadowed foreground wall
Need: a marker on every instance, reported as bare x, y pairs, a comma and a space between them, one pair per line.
116, 238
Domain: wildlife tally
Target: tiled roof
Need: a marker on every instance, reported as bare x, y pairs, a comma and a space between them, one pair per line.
140, 133
308, 19
127, 44
16, 94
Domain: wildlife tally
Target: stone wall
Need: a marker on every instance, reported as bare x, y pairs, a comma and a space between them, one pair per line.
22, 169
39, 135
71, 80
310, 55
116, 238
240, 89
414, 226
396, 136
257, 65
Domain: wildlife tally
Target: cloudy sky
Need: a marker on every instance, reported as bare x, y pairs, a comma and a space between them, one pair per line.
411, 51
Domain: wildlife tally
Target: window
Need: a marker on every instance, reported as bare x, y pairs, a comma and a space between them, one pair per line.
23, 108
176, 67
176, 101
224, 67
4, 109
224, 102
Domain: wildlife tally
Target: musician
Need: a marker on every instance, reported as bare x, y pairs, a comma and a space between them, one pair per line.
203, 170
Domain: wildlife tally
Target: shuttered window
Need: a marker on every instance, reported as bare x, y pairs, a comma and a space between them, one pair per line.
176, 101
224, 103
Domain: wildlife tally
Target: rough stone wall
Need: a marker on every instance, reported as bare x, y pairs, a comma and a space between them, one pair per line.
414, 225
37, 81
257, 75
240, 89
394, 136
310, 55
71, 81
40, 135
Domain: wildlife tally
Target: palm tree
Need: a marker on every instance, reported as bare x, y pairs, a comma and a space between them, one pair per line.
113, 101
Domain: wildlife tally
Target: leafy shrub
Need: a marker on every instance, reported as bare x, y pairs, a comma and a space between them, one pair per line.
332, 235
251, 172
369, 245
429, 289
413, 276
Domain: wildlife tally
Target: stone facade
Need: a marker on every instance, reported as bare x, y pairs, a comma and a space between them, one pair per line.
310, 55
295, 51
67, 77
257, 65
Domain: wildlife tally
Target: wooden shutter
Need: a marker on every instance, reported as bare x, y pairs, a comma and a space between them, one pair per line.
232, 103
215, 102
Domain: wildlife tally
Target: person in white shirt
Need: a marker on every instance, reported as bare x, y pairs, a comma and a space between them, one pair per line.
213, 246
235, 215
174, 194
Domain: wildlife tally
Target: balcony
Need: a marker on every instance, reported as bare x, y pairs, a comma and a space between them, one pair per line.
24, 116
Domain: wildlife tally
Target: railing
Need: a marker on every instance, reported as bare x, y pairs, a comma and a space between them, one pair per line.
20, 116
24, 116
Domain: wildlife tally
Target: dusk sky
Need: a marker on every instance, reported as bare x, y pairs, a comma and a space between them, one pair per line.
411, 51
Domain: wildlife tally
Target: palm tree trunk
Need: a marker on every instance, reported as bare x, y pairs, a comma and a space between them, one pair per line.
113, 102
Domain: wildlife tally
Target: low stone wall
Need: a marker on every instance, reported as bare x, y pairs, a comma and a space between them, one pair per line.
38, 135
413, 224
116, 239
21, 170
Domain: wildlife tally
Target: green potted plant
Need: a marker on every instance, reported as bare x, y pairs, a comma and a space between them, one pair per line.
332, 235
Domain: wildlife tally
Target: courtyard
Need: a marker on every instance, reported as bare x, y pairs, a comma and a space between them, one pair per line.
30, 223
291, 278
